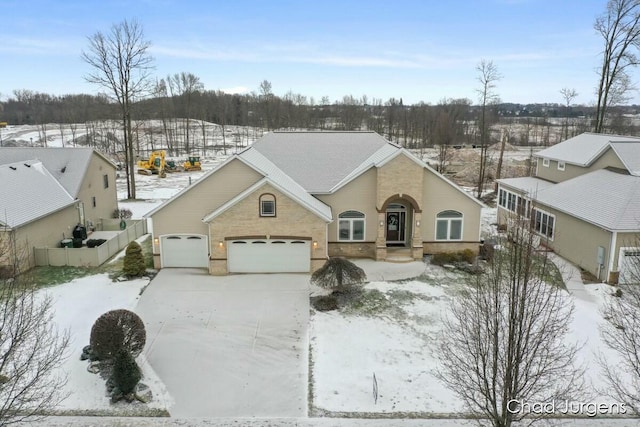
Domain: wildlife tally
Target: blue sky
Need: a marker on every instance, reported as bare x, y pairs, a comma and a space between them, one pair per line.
414, 50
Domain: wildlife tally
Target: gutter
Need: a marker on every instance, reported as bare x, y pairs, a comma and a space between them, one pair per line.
614, 242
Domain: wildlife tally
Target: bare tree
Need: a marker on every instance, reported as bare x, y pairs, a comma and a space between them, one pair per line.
186, 85
619, 28
504, 341
568, 95
488, 77
621, 333
121, 64
31, 347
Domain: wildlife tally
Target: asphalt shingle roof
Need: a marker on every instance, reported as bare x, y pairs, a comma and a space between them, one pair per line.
608, 199
29, 192
318, 161
67, 165
583, 149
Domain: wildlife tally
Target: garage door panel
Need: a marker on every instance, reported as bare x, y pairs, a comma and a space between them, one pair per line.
184, 251
268, 256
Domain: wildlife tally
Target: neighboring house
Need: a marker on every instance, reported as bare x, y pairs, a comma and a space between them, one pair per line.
584, 202
86, 174
35, 210
293, 199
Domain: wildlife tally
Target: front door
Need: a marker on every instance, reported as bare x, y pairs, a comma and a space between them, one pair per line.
396, 226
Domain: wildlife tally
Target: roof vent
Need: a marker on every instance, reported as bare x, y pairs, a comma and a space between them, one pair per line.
63, 169
12, 168
27, 165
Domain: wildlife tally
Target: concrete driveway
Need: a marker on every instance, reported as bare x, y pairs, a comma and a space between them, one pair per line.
232, 346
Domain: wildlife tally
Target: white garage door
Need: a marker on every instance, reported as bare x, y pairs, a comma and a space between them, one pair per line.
184, 250
268, 256
629, 263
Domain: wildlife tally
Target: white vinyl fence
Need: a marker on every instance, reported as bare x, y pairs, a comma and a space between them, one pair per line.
93, 257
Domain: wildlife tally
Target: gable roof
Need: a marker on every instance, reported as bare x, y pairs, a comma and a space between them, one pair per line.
67, 165
608, 199
629, 154
29, 192
584, 149
529, 185
318, 161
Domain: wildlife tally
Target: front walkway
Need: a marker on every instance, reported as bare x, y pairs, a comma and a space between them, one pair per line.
572, 278
380, 271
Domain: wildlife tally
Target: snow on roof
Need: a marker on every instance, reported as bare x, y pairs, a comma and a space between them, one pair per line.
67, 165
29, 192
608, 199
284, 182
529, 185
319, 161
629, 154
583, 149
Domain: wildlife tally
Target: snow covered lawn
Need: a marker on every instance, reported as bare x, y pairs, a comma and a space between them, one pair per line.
392, 335
77, 305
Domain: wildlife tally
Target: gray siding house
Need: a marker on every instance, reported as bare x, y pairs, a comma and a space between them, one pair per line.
584, 203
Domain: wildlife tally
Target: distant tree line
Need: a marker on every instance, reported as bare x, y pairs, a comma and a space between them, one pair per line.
416, 125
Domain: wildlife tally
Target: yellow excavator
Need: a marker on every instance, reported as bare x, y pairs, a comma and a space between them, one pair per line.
154, 165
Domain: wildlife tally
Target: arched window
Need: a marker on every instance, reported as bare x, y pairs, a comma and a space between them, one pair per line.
449, 225
267, 204
351, 226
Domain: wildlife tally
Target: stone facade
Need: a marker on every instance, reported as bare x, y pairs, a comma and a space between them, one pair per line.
353, 249
243, 220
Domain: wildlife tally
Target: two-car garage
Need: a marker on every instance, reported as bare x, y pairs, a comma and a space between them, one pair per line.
243, 255
268, 256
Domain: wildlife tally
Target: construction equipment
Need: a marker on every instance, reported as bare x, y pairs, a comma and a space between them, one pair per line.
192, 164
155, 165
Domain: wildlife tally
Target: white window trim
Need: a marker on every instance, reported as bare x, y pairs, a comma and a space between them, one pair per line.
262, 212
351, 220
550, 215
519, 199
461, 219
561, 166
545, 163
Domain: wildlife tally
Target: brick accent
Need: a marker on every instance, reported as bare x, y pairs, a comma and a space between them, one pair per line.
436, 247
400, 176
353, 249
243, 219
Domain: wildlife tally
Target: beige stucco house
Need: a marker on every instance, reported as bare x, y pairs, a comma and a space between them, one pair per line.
293, 199
584, 203
46, 192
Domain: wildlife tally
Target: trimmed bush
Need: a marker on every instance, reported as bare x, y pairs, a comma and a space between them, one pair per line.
117, 330
443, 258
126, 373
134, 265
121, 214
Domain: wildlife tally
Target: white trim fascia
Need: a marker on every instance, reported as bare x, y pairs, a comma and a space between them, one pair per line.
186, 189
613, 242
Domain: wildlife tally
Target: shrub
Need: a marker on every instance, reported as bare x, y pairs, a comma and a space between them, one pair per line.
122, 214
443, 258
325, 302
117, 330
337, 273
126, 373
134, 265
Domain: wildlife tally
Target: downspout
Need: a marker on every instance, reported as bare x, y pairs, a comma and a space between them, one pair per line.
612, 248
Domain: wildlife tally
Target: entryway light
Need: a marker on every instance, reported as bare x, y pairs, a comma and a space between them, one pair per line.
381, 223
315, 244
156, 241
221, 243
418, 223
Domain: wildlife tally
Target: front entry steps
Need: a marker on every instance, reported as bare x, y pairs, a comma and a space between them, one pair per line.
399, 255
